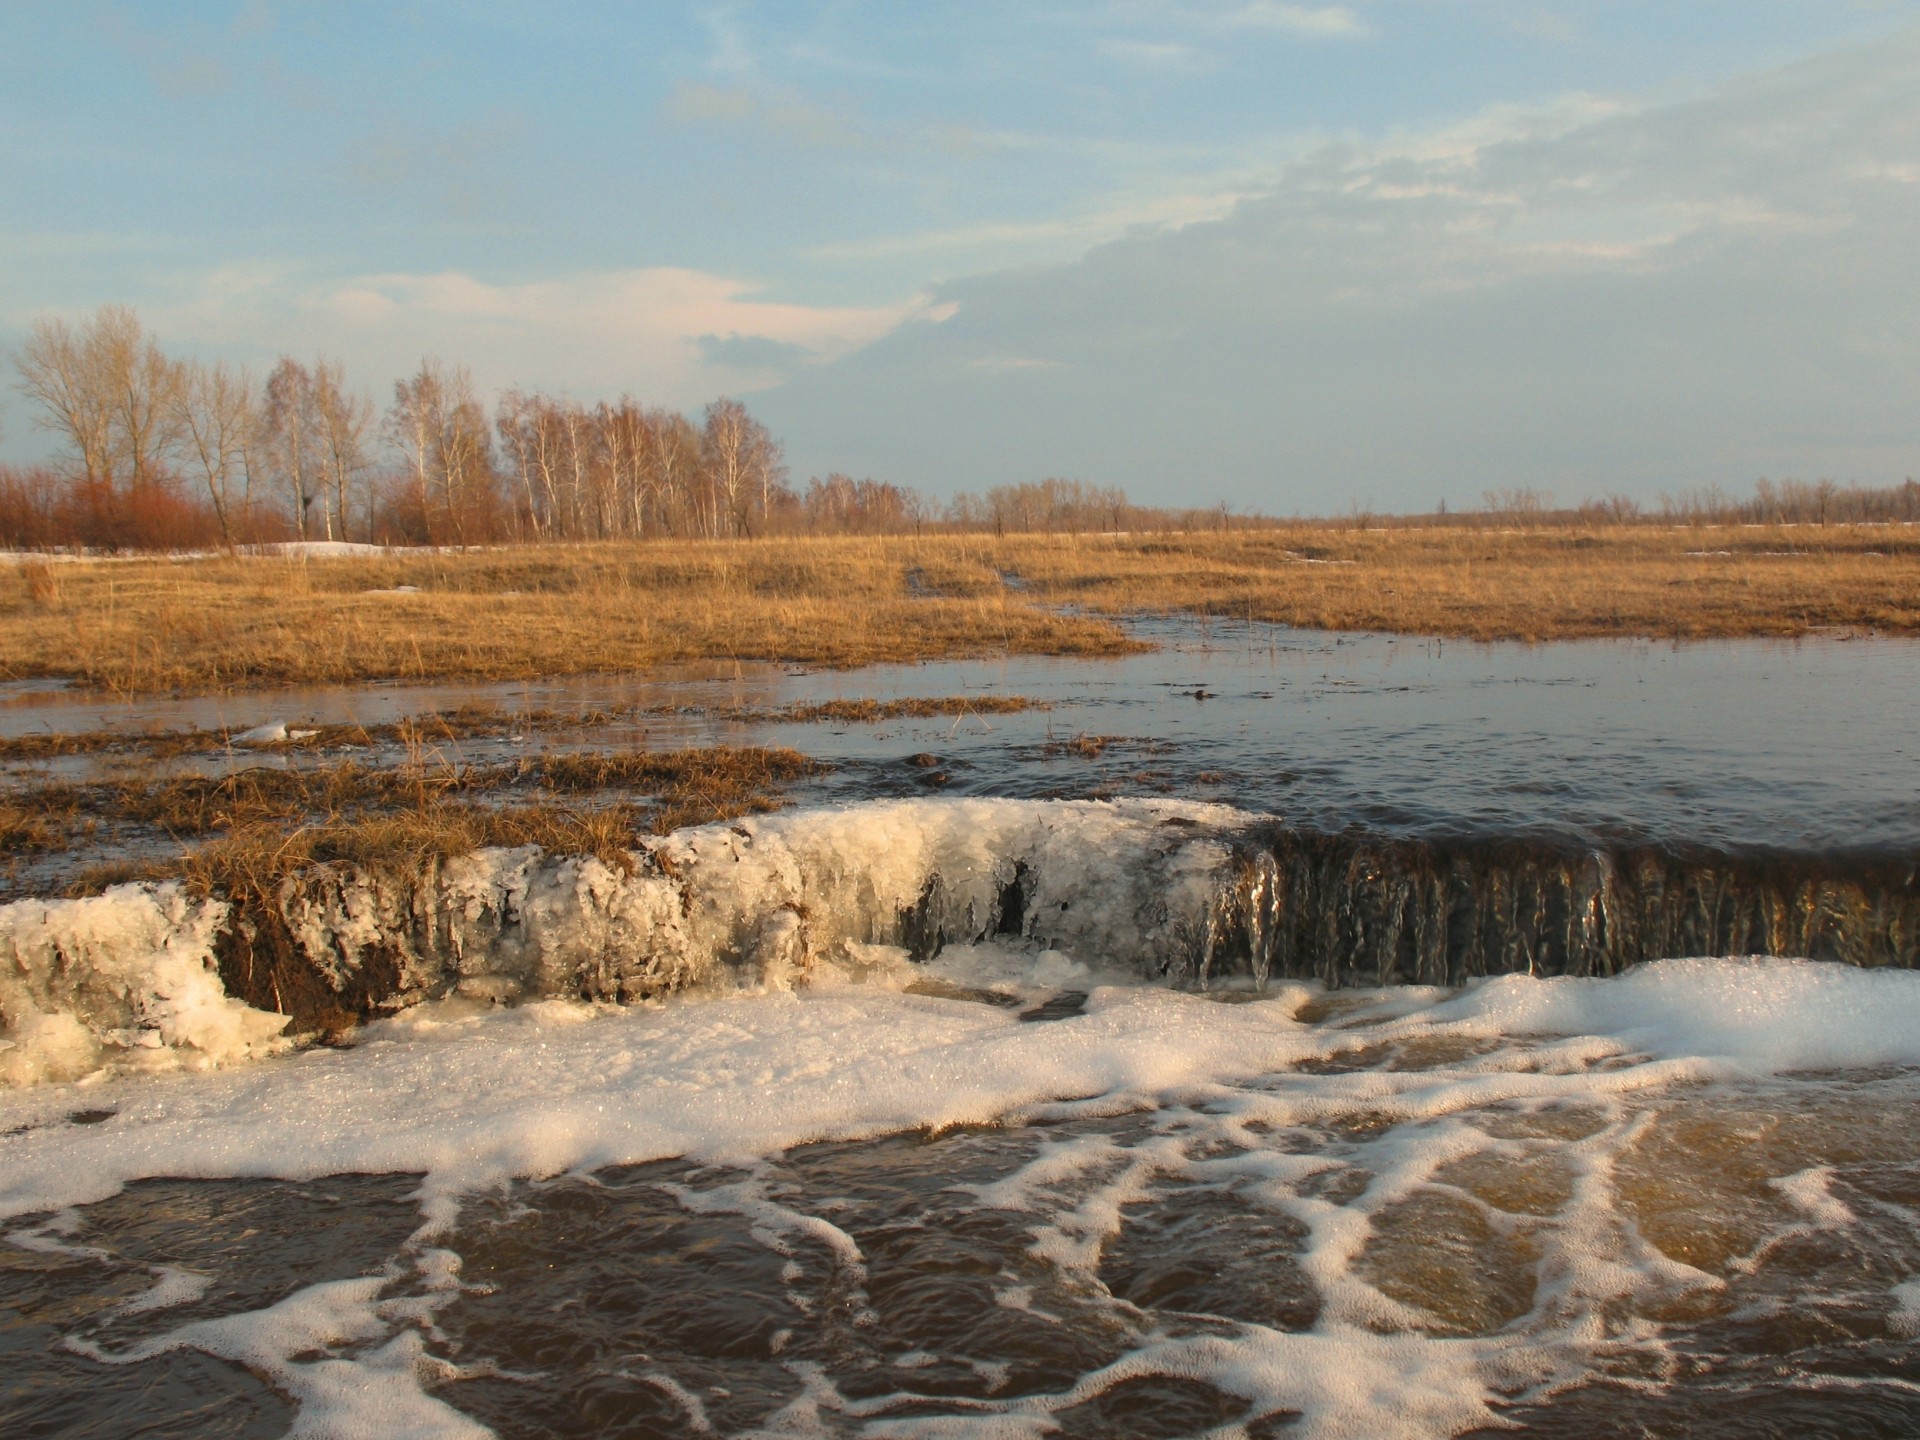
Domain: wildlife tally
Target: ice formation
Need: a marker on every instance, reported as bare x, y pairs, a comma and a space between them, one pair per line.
128, 977
756, 903
1167, 890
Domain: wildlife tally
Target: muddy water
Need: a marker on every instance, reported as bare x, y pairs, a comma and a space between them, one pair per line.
1678, 1259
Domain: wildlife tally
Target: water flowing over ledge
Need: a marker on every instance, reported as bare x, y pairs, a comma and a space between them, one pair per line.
1188, 894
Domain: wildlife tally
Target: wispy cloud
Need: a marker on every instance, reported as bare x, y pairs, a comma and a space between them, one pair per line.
782, 114
1153, 54
732, 53
464, 174
1166, 212
1338, 21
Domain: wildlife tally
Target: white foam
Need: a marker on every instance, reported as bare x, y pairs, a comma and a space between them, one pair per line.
377, 1395
1767, 1015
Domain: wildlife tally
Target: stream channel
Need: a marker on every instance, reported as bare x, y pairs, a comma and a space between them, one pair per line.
1539, 1054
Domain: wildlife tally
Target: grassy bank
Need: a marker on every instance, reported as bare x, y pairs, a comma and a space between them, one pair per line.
255, 826
150, 625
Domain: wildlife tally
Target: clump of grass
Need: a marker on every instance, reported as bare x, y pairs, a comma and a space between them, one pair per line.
269, 823
41, 584
26, 830
1084, 747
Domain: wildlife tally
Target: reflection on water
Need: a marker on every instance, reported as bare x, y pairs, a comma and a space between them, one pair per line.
1801, 745
1385, 1243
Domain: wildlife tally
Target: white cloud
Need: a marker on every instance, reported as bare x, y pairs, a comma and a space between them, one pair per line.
668, 335
1329, 20
1077, 233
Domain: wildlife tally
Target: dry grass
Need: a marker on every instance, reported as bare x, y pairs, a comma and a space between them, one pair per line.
267, 823
1505, 585
26, 829
145, 626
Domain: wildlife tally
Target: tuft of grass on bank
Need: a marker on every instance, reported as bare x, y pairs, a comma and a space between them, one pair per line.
259, 825
137, 627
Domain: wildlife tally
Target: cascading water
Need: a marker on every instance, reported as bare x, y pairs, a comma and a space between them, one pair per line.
1187, 894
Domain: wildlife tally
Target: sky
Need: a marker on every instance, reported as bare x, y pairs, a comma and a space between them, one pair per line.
1293, 257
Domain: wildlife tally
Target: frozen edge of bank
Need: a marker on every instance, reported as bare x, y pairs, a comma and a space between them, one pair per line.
149, 977
131, 979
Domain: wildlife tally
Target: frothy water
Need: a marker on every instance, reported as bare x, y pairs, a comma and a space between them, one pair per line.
992, 1117
1680, 1199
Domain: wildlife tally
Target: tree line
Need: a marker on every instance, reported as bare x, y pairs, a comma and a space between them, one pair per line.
159, 453
166, 453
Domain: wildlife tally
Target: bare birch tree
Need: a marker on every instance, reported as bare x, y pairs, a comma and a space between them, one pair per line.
344, 419
214, 411
108, 389
291, 432
742, 460
438, 425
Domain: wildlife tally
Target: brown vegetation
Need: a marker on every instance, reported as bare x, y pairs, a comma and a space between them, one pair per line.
144, 626
268, 822
1520, 584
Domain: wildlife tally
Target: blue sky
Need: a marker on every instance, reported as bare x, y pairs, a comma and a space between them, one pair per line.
1297, 256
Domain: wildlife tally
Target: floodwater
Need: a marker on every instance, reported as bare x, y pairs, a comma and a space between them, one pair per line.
1802, 746
1415, 1235
1402, 1229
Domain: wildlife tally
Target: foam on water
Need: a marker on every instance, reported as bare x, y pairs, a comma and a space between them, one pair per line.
1421, 1088
834, 963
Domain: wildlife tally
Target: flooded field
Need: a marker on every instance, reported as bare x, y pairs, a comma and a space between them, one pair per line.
1335, 1081
1797, 745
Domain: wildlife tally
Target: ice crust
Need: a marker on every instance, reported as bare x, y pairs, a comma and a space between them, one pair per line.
127, 977
754, 903
1130, 888
802, 931
760, 901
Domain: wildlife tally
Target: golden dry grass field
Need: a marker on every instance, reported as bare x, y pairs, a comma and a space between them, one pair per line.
141, 626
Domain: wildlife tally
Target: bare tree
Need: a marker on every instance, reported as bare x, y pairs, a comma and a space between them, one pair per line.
293, 446
108, 389
214, 411
438, 425
343, 420
58, 373
673, 465
743, 462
